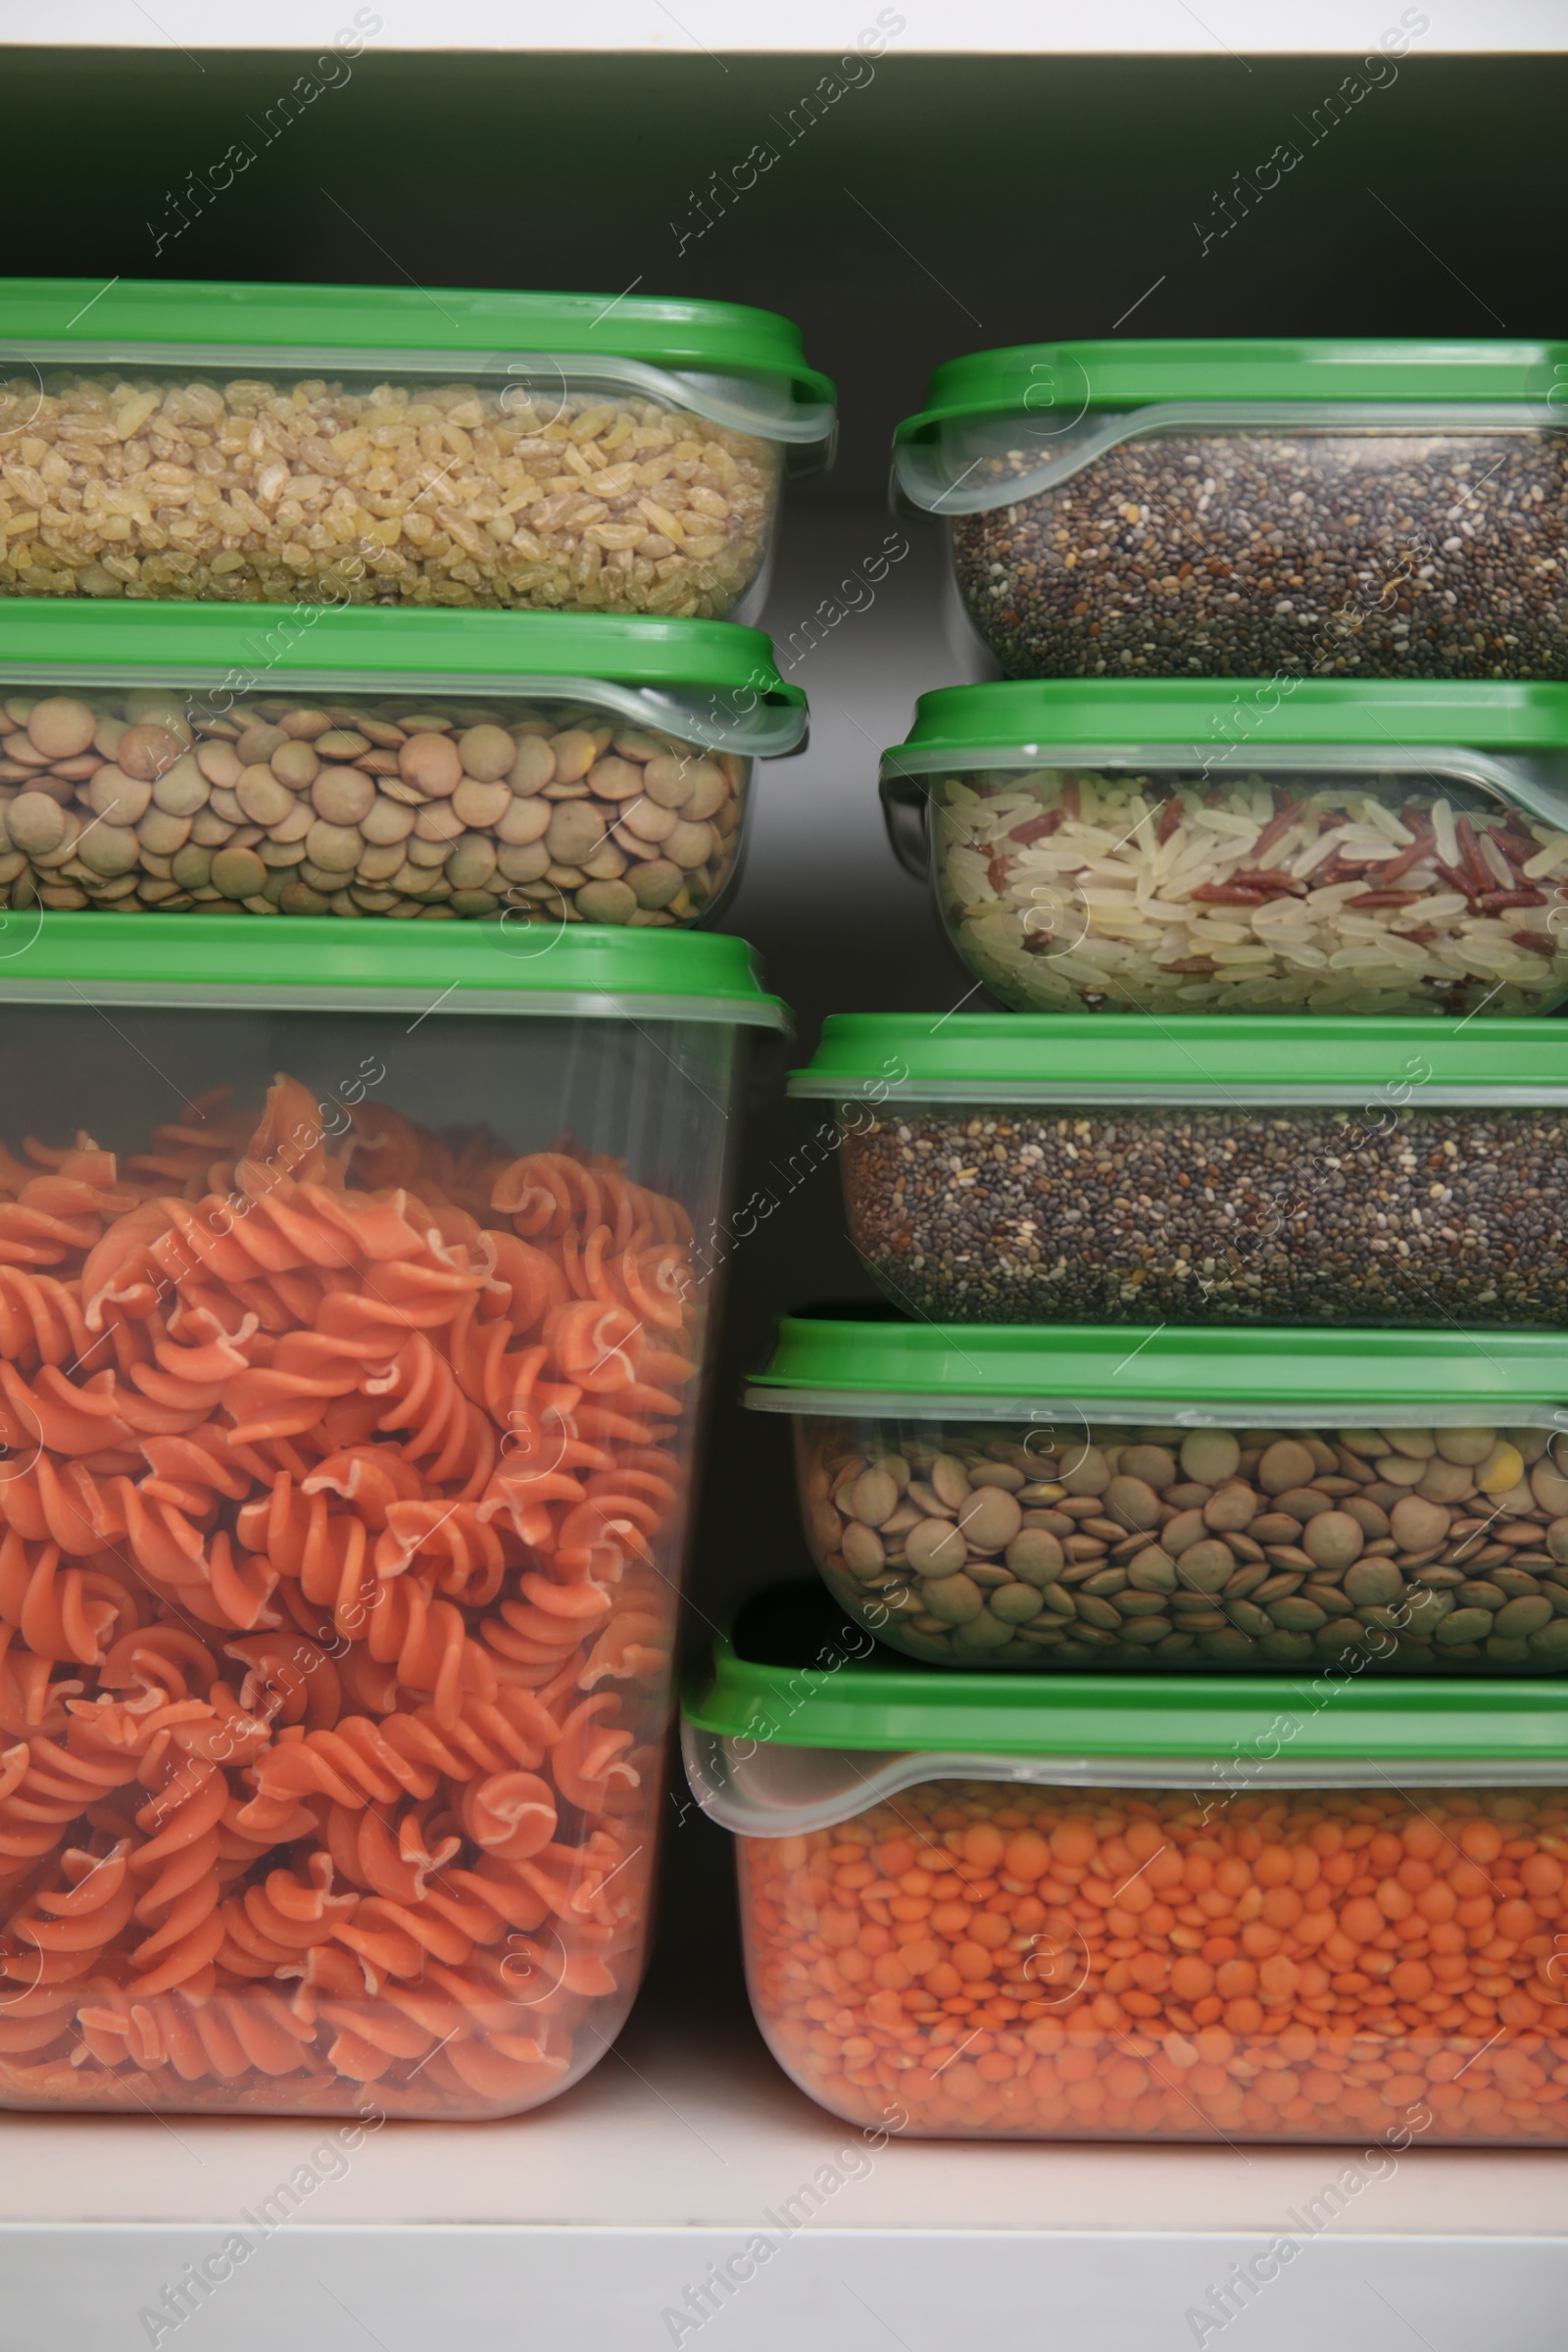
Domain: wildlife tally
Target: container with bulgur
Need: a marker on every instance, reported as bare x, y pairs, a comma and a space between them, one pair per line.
1061, 1167
1180, 848
1393, 509
374, 445
1313, 1911
1068, 1497
525, 767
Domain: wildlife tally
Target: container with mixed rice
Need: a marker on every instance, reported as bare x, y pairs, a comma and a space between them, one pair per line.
1280, 847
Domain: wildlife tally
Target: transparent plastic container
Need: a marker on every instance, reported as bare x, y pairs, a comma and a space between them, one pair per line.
1061, 1167
389, 445
1234, 510
1310, 1912
1074, 1499
1304, 846
352, 1350
536, 768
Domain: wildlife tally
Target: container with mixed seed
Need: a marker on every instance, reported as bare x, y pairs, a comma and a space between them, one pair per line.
1052, 1168
538, 767
1172, 848
374, 445
1048, 1497
1230, 510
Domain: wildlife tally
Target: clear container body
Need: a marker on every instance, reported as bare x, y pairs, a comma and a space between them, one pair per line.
1381, 1211
1192, 553
1169, 889
981, 1960
526, 488
1065, 1542
349, 1420
523, 807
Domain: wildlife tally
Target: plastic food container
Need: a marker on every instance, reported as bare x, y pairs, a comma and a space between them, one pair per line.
352, 1343
1210, 1911
537, 767
1069, 1498
1299, 845
1228, 509
1058, 1168
392, 446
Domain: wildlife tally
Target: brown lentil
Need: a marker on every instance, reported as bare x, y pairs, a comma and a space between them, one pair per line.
1425, 1551
284, 808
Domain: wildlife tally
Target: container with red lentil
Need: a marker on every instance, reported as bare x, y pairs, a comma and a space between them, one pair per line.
1234, 1912
1078, 1499
1253, 508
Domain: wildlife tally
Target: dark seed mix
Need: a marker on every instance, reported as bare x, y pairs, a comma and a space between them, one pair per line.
1427, 1550
1234, 556
1378, 1216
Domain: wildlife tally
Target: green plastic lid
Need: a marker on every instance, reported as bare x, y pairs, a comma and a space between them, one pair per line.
1046, 382
452, 330
873, 1364
795, 1674
1384, 1068
321, 964
1028, 720
1003, 427
716, 678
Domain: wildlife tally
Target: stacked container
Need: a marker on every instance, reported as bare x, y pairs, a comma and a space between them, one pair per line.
1252, 509
1178, 1750
1194, 1910
353, 1305
523, 767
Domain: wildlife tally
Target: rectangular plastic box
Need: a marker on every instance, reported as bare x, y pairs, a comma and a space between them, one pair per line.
1207, 1911
397, 445
528, 767
1058, 1167
352, 1352
1253, 508
1297, 845
1075, 1499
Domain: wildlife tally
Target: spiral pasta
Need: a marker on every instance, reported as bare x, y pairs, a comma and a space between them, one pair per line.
339, 1506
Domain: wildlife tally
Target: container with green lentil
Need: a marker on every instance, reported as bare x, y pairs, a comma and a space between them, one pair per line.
383, 444
1050, 1168
526, 768
1064, 1497
1386, 846
1248, 508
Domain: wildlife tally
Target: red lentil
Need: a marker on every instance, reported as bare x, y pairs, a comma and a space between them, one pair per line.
1153, 1965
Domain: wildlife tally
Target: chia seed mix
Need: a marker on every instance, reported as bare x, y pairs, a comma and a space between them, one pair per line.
1425, 1550
1381, 555
1165, 1214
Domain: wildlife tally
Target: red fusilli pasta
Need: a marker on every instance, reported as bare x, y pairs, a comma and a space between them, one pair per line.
338, 1514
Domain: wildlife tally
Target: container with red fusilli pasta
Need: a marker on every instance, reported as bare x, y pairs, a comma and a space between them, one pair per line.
352, 1341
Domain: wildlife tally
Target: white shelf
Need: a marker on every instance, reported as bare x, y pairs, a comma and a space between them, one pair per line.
687, 2142
824, 28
